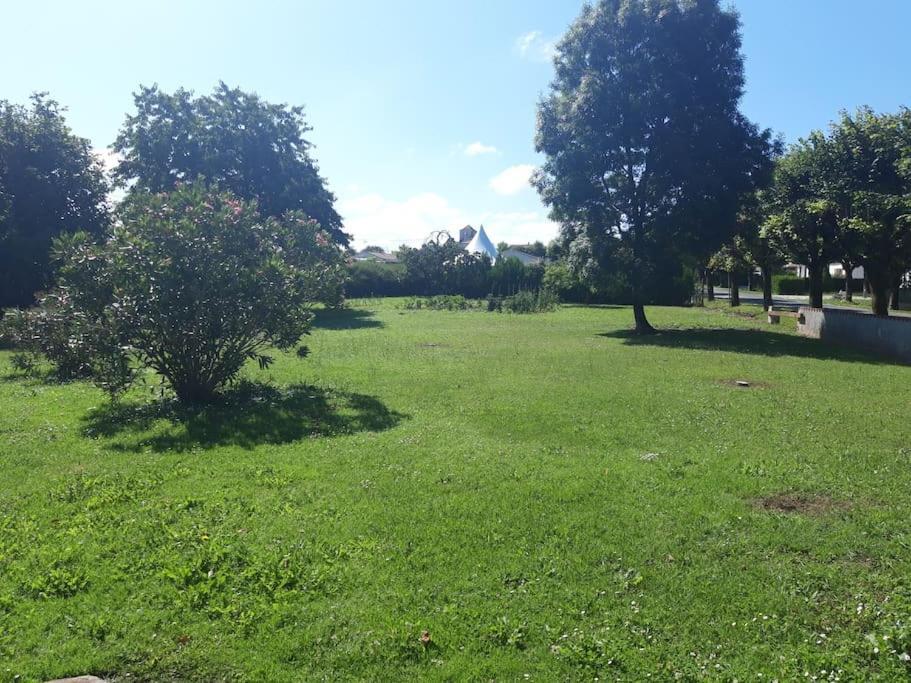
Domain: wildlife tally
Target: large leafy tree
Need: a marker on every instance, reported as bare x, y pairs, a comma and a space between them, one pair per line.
244, 144
50, 183
807, 208
874, 172
647, 154
846, 195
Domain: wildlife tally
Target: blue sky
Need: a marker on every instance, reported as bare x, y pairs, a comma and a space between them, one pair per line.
423, 112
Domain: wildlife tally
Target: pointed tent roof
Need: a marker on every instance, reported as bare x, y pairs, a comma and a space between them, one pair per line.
481, 244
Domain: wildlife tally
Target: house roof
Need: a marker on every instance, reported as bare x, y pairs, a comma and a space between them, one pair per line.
380, 256
526, 258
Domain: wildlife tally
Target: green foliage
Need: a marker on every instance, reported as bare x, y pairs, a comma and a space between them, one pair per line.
560, 279
191, 284
50, 183
804, 216
846, 196
874, 152
231, 138
71, 326
371, 279
441, 302
444, 267
789, 284
524, 301
509, 276
647, 155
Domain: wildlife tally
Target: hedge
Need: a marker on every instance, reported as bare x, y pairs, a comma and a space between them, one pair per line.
790, 284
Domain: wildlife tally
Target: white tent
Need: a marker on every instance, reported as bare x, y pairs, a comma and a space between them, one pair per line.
481, 244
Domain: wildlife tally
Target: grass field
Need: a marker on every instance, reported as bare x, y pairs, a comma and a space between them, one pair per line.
471, 495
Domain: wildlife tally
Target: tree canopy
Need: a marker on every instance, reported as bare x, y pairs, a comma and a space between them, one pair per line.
646, 150
50, 183
231, 138
846, 195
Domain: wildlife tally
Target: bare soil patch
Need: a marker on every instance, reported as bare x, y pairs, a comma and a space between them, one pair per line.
800, 503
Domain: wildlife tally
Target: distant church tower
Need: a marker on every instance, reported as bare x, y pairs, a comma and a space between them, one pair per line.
466, 234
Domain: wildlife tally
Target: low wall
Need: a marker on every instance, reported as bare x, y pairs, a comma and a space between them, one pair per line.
887, 336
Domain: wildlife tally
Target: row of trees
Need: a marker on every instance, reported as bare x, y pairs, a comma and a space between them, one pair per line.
649, 162
844, 196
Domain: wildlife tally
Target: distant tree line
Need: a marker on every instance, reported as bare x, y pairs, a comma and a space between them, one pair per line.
838, 196
441, 267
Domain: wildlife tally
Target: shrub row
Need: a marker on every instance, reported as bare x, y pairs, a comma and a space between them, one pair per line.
521, 302
790, 284
475, 280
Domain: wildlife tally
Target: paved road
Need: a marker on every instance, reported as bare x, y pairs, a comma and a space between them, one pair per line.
791, 302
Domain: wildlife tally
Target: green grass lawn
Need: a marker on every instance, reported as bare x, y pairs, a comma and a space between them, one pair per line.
471, 495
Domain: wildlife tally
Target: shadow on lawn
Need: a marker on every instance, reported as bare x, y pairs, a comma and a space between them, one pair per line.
753, 342
248, 416
344, 319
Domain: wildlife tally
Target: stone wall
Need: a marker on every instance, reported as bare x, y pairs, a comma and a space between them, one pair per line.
887, 336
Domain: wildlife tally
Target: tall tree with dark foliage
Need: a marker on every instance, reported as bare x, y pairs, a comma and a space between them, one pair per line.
50, 183
647, 153
231, 138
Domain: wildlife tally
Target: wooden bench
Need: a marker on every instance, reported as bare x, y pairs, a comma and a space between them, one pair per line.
775, 316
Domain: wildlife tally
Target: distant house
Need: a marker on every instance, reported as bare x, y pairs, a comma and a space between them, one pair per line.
375, 256
525, 258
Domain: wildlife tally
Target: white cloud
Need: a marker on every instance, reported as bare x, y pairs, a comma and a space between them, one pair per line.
478, 148
374, 219
513, 180
535, 47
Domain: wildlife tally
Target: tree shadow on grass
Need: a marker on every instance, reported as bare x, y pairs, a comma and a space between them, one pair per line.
752, 342
345, 319
606, 307
248, 416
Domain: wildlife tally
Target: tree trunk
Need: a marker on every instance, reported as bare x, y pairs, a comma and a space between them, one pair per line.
879, 290
710, 285
733, 290
766, 288
815, 273
642, 324
880, 299
849, 270
896, 296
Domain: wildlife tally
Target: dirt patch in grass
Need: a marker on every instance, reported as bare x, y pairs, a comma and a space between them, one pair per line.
743, 383
800, 503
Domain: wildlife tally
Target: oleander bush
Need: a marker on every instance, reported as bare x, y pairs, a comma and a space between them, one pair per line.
192, 284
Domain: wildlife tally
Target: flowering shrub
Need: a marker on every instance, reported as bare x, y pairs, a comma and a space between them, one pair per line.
192, 284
